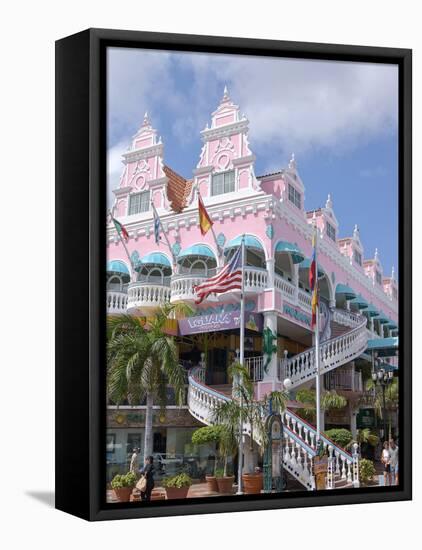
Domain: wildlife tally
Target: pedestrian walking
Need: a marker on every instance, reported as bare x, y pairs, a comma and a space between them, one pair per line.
148, 472
385, 459
394, 462
134, 462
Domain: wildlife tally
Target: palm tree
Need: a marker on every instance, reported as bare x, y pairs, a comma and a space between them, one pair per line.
376, 398
142, 362
329, 400
245, 409
364, 436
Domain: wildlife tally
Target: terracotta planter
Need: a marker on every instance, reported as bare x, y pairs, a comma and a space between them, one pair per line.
123, 494
212, 485
175, 492
225, 484
252, 483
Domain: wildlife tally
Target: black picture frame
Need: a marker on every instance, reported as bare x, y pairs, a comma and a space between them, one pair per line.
80, 263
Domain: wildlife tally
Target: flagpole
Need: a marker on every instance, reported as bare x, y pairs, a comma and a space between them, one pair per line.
219, 249
317, 355
164, 233
241, 359
125, 247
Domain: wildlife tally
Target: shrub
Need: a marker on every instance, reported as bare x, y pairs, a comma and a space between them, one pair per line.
177, 481
340, 436
219, 472
366, 470
123, 480
207, 434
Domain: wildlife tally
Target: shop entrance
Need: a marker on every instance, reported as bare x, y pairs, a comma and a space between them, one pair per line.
159, 444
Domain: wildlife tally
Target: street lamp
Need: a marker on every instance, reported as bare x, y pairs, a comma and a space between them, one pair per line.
383, 378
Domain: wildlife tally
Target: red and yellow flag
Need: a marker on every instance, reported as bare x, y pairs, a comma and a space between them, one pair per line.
314, 306
205, 222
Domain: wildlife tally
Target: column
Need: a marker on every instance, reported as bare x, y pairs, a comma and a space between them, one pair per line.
270, 322
270, 268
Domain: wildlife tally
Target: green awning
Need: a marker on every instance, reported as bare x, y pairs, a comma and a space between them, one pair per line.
382, 318
371, 311
306, 264
296, 254
156, 258
360, 302
384, 345
200, 250
117, 266
250, 242
346, 291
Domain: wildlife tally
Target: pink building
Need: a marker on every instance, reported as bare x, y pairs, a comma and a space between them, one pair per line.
359, 303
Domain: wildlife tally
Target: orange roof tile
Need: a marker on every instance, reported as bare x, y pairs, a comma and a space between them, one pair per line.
178, 189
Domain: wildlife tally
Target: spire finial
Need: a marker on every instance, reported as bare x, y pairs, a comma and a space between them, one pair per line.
226, 96
329, 203
376, 254
356, 231
146, 121
392, 273
292, 162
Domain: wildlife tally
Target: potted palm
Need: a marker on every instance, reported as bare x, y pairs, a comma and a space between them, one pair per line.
203, 436
177, 486
245, 410
123, 485
142, 362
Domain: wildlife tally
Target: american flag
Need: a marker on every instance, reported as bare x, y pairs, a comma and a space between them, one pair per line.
229, 278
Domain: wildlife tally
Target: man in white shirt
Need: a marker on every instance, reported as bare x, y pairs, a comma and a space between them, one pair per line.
134, 462
394, 461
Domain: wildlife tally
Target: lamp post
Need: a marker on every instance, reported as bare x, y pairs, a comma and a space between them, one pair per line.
383, 378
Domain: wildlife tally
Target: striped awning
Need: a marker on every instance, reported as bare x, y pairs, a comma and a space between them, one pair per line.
296, 254
199, 250
117, 266
360, 302
250, 242
346, 291
156, 258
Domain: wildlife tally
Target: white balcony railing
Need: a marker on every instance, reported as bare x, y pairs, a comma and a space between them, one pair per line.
116, 302
182, 287
347, 381
146, 296
287, 289
255, 279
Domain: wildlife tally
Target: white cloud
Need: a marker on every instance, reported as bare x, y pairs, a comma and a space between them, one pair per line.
292, 105
114, 168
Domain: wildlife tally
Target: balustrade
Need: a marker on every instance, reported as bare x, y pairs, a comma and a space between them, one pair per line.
116, 302
255, 366
147, 295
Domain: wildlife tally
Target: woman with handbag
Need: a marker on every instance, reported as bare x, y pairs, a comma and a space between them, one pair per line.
146, 483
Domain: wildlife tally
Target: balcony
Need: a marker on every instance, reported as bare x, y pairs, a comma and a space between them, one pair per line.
345, 381
116, 302
182, 287
146, 296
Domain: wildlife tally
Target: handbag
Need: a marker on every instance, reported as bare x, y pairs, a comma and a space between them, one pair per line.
142, 484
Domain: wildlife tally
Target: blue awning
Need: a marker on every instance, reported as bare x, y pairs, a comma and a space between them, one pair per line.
382, 318
117, 266
360, 302
384, 344
296, 254
250, 242
387, 367
371, 311
346, 291
156, 258
306, 264
392, 324
200, 250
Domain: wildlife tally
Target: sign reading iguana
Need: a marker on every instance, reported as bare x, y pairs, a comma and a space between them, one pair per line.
268, 337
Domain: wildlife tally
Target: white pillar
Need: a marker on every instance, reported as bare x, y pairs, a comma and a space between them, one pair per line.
270, 321
270, 268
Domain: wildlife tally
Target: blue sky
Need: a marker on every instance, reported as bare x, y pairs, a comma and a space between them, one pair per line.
340, 120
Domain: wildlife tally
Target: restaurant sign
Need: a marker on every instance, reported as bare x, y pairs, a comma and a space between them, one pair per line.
225, 320
296, 314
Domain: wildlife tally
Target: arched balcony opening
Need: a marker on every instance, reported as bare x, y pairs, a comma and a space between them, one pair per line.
344, 295
286, 256
118, 278
194, 265
152, 287
255, 271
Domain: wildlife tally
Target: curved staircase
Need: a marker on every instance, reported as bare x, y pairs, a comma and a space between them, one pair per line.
348, 340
